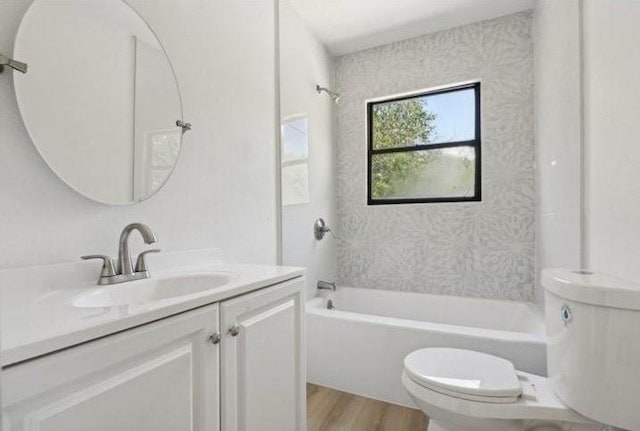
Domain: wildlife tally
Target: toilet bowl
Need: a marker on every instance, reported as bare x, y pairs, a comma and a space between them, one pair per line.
462, 390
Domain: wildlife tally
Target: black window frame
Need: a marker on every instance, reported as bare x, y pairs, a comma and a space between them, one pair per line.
476, 143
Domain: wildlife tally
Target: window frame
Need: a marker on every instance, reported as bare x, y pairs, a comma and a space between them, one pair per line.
475, 143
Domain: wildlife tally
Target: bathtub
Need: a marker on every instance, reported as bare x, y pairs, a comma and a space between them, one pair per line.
359, 346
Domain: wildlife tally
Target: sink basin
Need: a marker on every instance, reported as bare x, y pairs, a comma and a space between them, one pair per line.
150, 290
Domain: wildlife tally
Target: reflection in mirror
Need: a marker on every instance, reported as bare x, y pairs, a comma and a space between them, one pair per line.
295, 162
100, 100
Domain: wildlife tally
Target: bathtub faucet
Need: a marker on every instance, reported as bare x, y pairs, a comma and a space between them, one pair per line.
325, 285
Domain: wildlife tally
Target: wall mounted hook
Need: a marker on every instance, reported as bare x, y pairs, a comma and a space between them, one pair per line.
184, 126
16, 65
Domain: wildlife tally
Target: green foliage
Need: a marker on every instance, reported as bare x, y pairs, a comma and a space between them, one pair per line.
399, 124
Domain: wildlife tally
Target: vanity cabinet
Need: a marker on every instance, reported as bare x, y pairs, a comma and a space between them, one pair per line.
263, 362
174, 374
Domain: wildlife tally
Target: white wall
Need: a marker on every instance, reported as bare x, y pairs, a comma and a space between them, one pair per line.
305, 62
471, 249
223, 190
558, 123
612, 135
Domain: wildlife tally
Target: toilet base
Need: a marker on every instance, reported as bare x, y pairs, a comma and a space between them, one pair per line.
434, 426
521, 426
452, 422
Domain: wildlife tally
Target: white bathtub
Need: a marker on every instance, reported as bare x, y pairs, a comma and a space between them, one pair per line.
359, 346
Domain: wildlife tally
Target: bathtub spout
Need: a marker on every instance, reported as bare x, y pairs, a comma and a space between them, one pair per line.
325, 285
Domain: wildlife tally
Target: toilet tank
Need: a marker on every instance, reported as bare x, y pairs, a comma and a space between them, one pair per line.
593, 344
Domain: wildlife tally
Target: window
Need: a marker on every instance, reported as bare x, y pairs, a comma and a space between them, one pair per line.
295, 162
425, 148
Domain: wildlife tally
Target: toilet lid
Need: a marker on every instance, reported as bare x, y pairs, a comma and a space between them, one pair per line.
464, 372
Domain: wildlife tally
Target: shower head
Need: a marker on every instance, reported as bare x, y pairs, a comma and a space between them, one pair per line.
335, 96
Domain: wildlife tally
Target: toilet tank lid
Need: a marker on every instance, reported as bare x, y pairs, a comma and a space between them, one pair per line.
592, 287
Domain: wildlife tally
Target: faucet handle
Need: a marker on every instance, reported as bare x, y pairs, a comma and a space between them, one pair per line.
141, 263
108, 270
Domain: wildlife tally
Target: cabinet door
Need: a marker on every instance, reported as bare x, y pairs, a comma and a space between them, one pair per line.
263, 362
162, 376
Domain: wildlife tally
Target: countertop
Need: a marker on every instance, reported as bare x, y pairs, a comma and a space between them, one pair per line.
38, 316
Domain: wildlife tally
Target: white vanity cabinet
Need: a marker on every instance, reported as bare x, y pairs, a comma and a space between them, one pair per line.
174, 374
263, 361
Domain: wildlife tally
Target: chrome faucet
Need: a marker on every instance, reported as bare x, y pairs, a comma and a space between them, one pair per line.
125, 265
325, 285
125, 270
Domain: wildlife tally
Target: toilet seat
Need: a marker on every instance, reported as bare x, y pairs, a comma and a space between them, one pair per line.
537, 400
464, 374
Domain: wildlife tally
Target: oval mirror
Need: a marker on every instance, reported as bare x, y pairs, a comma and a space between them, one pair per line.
100, 99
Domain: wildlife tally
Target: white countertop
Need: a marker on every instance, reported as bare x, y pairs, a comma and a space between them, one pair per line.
38, 316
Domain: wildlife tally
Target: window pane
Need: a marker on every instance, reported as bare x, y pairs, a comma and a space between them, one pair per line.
455, 114
423, 120
295, 144
439, 173
295, 163
295, 184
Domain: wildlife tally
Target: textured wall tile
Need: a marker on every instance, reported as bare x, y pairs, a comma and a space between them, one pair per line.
482, 249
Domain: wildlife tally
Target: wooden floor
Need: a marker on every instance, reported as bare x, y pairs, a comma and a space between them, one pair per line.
331, 410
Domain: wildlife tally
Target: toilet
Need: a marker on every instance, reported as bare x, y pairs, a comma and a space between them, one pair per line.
588, 315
